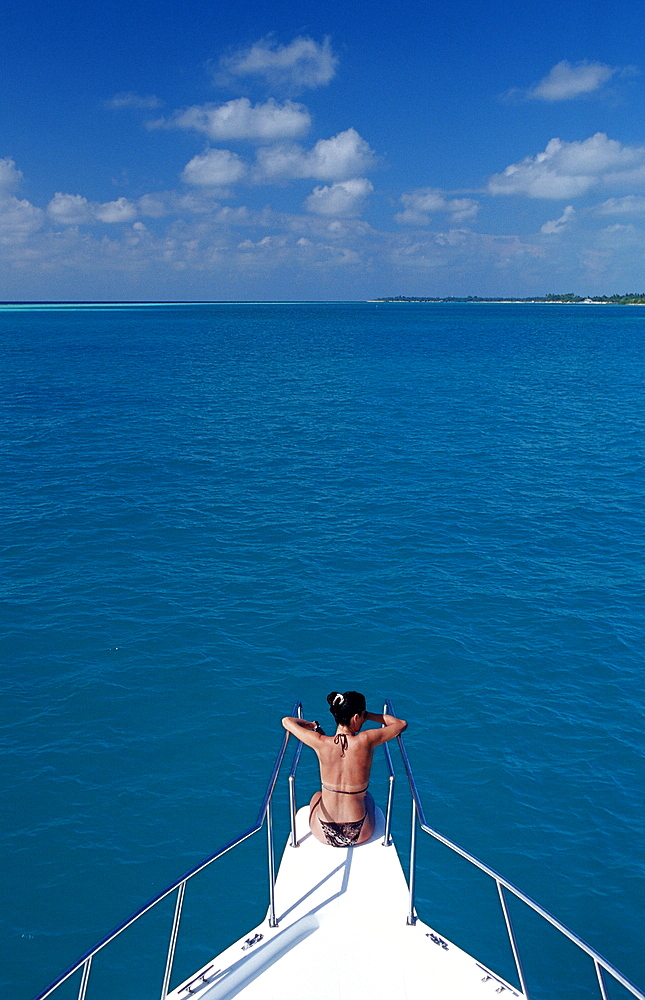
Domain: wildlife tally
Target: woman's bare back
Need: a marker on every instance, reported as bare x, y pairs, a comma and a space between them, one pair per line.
342, 813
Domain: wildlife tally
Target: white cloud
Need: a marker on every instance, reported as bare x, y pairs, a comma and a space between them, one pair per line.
566, 80
619, 229
121, 210
557, 225
239, 119
631, 204
626, 178
128, 99
214, 168
18, 219
340, 158
343, 199
199, 201
569, 169
302, 63
70, 209
421, 203
10, 176
204, 246
75, 210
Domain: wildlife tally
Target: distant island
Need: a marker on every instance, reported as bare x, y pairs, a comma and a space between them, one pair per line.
631, 299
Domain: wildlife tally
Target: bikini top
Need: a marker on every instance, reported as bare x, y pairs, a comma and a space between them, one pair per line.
341, 740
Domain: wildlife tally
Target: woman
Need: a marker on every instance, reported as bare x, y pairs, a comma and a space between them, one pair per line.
342, 814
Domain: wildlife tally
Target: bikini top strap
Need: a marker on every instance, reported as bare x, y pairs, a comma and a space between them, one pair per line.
341, 740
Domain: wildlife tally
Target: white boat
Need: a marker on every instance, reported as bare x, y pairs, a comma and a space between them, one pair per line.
342, 922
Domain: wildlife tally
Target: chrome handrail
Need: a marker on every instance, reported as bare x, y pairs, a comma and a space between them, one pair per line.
292, 787
293, 840
85, 961
390, 792
418, 814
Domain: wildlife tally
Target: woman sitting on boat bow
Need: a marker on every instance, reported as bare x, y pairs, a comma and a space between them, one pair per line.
342, 813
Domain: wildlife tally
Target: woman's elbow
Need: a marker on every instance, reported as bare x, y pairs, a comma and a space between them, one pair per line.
403, 725
286, 721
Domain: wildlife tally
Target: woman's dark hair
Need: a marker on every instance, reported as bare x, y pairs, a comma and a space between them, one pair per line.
345, 706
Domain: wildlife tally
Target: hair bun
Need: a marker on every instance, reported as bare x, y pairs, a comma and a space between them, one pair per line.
344, 706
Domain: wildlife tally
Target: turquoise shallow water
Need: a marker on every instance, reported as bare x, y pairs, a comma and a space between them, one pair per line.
210, 511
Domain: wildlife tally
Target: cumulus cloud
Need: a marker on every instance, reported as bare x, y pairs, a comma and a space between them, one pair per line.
215, 168
121, 210
128, 99
226, 254
418, 205
631, 204
200, 200
569, 80
75, 210
557, 225
301, 64
241, 120
18, 219
70, 209
344, 199
10, 176
626, 178
337, 159
570, 169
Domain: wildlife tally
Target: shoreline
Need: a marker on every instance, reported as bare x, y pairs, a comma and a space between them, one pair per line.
497, 302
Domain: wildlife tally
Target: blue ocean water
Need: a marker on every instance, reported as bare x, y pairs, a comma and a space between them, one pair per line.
210, 511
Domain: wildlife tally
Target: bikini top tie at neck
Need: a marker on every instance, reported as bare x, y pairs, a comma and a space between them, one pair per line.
341, 739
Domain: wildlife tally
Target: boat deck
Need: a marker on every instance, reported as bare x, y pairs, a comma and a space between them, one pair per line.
341, 933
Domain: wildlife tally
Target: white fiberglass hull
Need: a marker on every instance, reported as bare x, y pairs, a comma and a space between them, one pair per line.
342, 932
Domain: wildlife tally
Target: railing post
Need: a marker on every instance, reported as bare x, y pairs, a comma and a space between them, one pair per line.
292, 809
170, 957
413, 858
388, 812
511, 938
601, 981
272, 919
292, 788
390, 792
82, 990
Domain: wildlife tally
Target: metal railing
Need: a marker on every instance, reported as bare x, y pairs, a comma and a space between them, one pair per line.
85, 961
418, 819
390, 792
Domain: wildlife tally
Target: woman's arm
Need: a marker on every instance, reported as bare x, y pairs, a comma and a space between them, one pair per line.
391, 727
307, 732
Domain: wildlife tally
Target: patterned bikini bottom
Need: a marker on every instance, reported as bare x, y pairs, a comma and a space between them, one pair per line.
342, 834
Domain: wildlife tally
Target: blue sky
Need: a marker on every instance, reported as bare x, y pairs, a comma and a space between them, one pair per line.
189, 150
